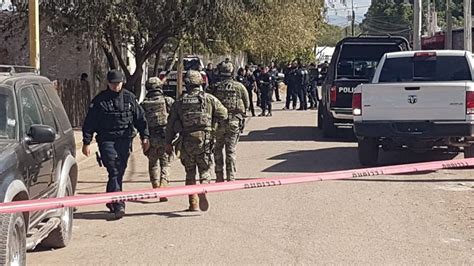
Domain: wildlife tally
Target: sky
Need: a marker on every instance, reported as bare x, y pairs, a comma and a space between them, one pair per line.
337, 15
5, 4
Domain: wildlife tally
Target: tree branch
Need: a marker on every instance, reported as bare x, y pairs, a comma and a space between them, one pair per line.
110, 57
149, 45
118, 54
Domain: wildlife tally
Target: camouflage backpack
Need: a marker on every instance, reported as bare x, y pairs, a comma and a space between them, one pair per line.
226, 92
195, 112
156, 112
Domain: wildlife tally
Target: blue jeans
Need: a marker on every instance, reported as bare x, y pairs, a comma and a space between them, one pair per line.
114, 156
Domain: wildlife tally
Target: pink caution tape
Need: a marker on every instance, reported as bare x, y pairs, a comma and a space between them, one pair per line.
83, 200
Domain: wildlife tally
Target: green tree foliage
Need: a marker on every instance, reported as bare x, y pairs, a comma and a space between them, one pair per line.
387, 17
396, 18
282, 30
270, 29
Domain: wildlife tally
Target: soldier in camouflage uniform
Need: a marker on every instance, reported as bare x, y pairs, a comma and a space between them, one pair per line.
235, 98
193, 117
157, 107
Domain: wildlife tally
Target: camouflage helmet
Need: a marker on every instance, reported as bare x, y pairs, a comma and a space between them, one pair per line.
154, 83
226, 68
193, 77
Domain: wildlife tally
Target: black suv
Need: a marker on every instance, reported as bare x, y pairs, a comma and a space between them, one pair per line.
353, 62
37, 160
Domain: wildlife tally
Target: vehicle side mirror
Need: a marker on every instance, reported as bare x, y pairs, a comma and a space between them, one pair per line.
39, 134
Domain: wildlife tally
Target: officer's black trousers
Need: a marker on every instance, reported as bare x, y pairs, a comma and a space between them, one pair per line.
291, 97
250, 92
259, 97
267, 95
302, 97
277, 91
313, 101
114, 156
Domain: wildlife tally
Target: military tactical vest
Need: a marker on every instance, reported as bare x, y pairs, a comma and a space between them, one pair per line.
195, 112
227, 93
117, 113
156, 112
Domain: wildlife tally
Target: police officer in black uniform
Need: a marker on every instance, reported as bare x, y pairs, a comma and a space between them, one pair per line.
256, 74
274, 72
291, 81
250, 84
112, 116
301, 82
265, 82
241, 76
313, 75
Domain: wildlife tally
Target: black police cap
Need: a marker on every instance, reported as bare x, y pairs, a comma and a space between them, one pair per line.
114, 76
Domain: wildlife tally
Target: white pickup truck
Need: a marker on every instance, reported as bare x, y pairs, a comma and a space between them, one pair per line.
418, 100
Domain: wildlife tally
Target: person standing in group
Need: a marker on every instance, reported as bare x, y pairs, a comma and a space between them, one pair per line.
210, 74
157, 107
265, 82
292, 86
193, 117
273, 70
234, 97
250, 85
241, 76
256, 75
313, 75
301, 80
113, 114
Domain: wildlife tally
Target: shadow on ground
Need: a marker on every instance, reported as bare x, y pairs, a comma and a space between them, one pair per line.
345, 158
294, 133
107, 216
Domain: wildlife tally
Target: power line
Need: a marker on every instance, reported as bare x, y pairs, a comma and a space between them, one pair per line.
387, 23
346, 8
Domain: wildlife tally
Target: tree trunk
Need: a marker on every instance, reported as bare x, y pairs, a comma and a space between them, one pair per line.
134, 83
157, 60
110, 58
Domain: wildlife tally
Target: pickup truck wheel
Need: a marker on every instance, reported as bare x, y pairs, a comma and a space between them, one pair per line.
12, 239
368, 149
59, 237
329, 129
469, 152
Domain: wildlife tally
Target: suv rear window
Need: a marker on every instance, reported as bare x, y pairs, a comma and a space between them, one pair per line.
428, 68
358, 61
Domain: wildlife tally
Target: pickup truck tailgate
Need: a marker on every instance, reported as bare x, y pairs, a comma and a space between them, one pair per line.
410, 102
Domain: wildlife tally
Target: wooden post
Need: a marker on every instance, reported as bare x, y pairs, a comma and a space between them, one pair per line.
180, 70
34, 38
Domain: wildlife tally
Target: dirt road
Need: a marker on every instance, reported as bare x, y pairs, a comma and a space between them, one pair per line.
404, 219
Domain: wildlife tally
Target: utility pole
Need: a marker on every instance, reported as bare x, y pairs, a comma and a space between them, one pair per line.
449, 27
34, 41
467, 26
428, 19
353, 18
417, 25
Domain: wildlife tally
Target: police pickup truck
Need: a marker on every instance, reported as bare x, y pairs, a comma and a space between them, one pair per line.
419, 101
352, 63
